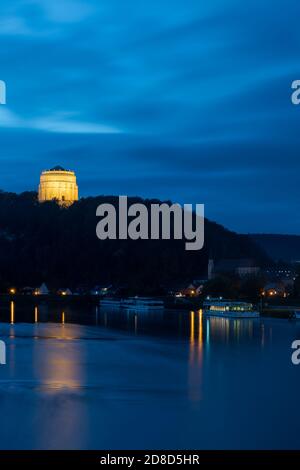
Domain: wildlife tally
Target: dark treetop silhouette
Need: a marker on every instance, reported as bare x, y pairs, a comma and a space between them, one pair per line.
45, 242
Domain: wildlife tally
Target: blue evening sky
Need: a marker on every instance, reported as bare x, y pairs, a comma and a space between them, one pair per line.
185, 100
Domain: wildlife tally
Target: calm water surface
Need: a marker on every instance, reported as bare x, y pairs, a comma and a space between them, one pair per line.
85, 378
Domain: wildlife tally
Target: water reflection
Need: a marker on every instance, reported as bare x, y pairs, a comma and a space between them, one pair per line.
36, 317
12, 312
135, 324
68, 387
200, 330
231, 330
206, 330
62, 369
12, 319
195, 355
196, 335
218, 329
262, 335
192, 331
200, 334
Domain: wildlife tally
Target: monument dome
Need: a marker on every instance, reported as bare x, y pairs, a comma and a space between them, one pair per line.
60, 184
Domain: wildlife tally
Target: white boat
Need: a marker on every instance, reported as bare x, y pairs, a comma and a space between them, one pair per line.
110, 302
142, 304
229, 309
133, 303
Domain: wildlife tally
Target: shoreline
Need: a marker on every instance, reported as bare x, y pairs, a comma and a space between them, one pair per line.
273, 311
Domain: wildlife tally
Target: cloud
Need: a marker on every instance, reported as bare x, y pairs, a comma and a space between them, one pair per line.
187, 101
13, 25
61, 123
9, 119
56, 123
65, 11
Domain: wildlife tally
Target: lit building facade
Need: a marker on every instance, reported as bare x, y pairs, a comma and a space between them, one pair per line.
60, 184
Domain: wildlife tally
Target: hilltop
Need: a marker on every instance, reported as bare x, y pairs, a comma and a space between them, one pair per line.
45, 242
279, 247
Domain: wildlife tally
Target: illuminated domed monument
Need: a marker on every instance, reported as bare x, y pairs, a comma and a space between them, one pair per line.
60, 184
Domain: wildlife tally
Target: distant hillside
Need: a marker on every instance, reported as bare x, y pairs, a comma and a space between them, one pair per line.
47, 243
279, 247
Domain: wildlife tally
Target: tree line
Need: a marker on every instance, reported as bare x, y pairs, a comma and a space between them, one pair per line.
58, 245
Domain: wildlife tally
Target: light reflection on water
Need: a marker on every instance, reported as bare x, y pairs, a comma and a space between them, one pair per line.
196, 355
193, 324
12, 312
76, 374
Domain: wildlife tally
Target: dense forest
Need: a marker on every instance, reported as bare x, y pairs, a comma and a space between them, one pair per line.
279, 247
48, 243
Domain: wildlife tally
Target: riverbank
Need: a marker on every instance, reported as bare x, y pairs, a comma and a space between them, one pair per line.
284, 310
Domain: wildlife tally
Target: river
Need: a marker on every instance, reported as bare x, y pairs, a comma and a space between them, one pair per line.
78, 377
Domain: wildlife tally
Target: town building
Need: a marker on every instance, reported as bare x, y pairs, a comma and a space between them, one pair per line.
275, 289
42, 290
242, 267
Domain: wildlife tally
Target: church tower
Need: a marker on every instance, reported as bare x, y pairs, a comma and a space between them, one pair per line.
210, 269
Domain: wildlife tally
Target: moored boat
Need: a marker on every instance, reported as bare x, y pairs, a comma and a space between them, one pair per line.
110, 302
229, 308
142, 304
133, 303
